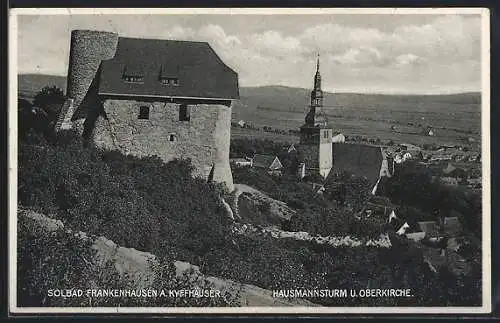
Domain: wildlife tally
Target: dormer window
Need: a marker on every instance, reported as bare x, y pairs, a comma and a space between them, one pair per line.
133, 74
169, 81
169, 75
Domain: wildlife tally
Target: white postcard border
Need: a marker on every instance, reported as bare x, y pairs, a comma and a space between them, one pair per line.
485, 158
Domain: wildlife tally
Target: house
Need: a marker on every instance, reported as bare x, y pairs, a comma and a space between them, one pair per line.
318, 188
456, 172
452, 226
364, 161
301, 171
392, 216
151, 97
430, 228
453, 181
268, 162
242, 162
416, 236
409, 147
241, 123
338, 138
398, 158
291, 149
403, 229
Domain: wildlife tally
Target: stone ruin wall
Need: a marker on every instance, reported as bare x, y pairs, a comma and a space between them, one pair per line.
205, 138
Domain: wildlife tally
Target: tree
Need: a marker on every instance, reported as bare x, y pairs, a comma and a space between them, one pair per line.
50, 99
33, 122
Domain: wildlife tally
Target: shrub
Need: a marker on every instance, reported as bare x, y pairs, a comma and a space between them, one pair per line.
136, 202
65, 262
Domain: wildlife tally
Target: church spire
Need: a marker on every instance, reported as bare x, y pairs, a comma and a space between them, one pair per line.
317, 76
315, 116
317, 64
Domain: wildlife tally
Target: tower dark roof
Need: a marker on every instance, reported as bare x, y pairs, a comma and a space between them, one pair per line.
315, 117
196, 68
358, 159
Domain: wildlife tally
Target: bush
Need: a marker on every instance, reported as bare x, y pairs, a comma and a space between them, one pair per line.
137, 202
149, 205
414, 187
62, 261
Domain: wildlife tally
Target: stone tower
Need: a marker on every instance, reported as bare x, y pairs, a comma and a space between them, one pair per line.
88, 49
315, 132
152, 97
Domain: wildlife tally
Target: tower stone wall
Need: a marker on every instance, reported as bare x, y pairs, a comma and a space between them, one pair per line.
205, 138
325, 152
88, 48
315, 134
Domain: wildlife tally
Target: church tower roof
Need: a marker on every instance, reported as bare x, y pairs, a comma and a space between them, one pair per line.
317, 76
315, 116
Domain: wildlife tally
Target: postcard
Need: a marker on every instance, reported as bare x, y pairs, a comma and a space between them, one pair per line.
249, 161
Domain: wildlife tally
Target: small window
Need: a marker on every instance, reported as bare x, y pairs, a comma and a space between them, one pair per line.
133, 79
133, 74
144, 112
169, 81
172, 137
184, 113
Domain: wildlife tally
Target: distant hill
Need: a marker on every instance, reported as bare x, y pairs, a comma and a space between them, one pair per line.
279, 97
296, 99
285, 107
28, 85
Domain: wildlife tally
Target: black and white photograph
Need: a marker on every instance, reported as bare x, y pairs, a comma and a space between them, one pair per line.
299, 160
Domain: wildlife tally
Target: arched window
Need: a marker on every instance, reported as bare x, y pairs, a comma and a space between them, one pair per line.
144, 112
172, 137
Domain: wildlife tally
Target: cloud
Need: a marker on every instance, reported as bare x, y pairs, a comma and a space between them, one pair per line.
443, 51
217, 34
361, 56
179, 33
273, 42
407, 59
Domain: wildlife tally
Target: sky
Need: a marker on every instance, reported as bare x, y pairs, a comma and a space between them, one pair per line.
367, 53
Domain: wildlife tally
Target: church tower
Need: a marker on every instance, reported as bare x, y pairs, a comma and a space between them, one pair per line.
315, 132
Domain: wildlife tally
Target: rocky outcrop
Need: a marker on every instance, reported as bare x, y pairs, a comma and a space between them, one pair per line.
276, 208
138, 264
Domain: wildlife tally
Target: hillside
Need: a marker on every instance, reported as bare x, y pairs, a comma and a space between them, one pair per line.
296, 99
432, 109
29, 84
456, 116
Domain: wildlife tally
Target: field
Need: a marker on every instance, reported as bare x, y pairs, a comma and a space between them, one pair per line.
455, 118
243, 133
402, 118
